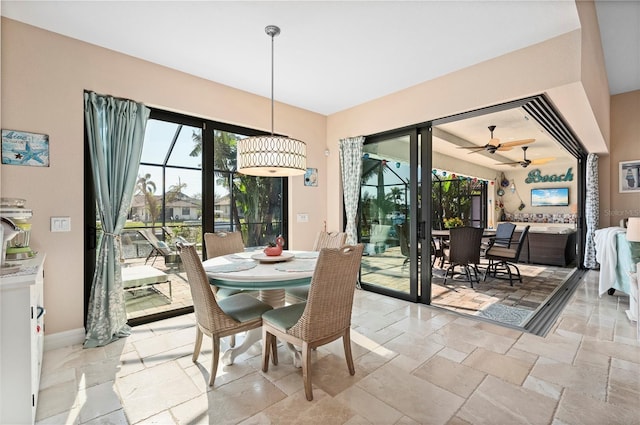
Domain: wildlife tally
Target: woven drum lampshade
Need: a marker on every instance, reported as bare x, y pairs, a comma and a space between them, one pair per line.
271, 156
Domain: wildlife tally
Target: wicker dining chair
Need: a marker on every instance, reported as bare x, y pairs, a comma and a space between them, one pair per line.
329, 240
219, 244
464, 251
217, 318
324, 239
325, 317
223, 243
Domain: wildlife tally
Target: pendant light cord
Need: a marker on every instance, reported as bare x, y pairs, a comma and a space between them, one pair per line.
272, 31
272, 127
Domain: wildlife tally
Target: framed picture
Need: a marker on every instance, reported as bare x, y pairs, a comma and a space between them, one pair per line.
629, 176
22, 148
311, 177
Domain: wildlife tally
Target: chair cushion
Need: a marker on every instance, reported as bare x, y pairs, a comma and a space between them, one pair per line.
300, 292
243, 307
284, 318
227, 292
501, 252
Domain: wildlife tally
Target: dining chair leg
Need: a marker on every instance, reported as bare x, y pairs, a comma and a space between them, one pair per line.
198, 345
274, 350
509, 273
214, 359
467, 272
346, 341
306, 370
266, 349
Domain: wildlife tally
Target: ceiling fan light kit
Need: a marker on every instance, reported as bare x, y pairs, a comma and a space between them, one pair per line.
494, 144
526, 162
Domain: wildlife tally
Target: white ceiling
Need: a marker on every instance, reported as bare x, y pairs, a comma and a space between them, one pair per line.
332, 55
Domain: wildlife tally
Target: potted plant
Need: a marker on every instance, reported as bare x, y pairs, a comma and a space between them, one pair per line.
452, 222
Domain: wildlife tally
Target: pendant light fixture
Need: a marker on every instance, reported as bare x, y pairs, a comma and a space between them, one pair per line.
270, 155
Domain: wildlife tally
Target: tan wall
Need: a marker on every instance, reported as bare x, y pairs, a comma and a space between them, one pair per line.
43, 79
519, 176
625, 146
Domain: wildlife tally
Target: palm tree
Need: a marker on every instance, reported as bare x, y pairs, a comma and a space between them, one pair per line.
255, 198
146, 187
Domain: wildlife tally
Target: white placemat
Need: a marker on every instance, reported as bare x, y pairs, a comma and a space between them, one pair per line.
232, 267
307, 255
296, 266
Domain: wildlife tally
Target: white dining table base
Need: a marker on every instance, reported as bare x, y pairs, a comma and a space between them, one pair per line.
273, 297
252, 337
276, 299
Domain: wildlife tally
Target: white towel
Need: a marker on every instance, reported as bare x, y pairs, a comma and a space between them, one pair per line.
607, 256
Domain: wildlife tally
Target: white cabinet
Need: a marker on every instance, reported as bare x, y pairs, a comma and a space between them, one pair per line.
21, 341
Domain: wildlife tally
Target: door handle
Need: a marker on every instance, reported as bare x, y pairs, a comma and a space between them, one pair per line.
422, 230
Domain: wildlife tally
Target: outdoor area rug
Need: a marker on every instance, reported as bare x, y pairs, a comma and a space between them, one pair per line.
506, 314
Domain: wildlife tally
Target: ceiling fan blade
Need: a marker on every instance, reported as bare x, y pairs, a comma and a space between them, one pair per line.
518, 142
474, 148
541, 161
494, 142
513, 164
504, 148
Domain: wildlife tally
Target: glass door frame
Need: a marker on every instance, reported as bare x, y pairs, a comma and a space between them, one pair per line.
414, 242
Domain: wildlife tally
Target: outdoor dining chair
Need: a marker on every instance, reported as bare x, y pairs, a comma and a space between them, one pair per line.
464, 251
217, 318
325, 317
503, 260
504, 233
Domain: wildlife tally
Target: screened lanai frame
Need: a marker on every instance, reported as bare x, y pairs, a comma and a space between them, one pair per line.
469, 201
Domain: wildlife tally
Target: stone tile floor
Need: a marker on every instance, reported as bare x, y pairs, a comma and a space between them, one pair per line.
415, 364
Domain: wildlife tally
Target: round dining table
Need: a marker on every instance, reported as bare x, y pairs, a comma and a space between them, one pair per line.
252, 270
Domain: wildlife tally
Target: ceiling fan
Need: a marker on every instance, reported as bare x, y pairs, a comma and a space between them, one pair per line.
495, 145
526, 162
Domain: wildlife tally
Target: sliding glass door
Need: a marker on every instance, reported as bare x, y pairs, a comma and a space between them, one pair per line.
389, 215
187, 185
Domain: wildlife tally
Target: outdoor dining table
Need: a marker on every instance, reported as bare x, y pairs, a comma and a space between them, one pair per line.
487, 233
252, 270
443, 235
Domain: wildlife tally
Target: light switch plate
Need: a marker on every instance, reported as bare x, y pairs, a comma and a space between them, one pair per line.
60, 224
303, 217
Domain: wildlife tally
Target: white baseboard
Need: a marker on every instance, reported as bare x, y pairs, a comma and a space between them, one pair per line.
64, 339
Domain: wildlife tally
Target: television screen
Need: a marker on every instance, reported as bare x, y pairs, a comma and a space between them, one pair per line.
555, 197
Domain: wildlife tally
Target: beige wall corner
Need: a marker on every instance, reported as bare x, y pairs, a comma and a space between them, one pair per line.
625, 146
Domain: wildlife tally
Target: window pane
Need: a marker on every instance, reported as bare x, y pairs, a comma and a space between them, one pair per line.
187, 150
252, 205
